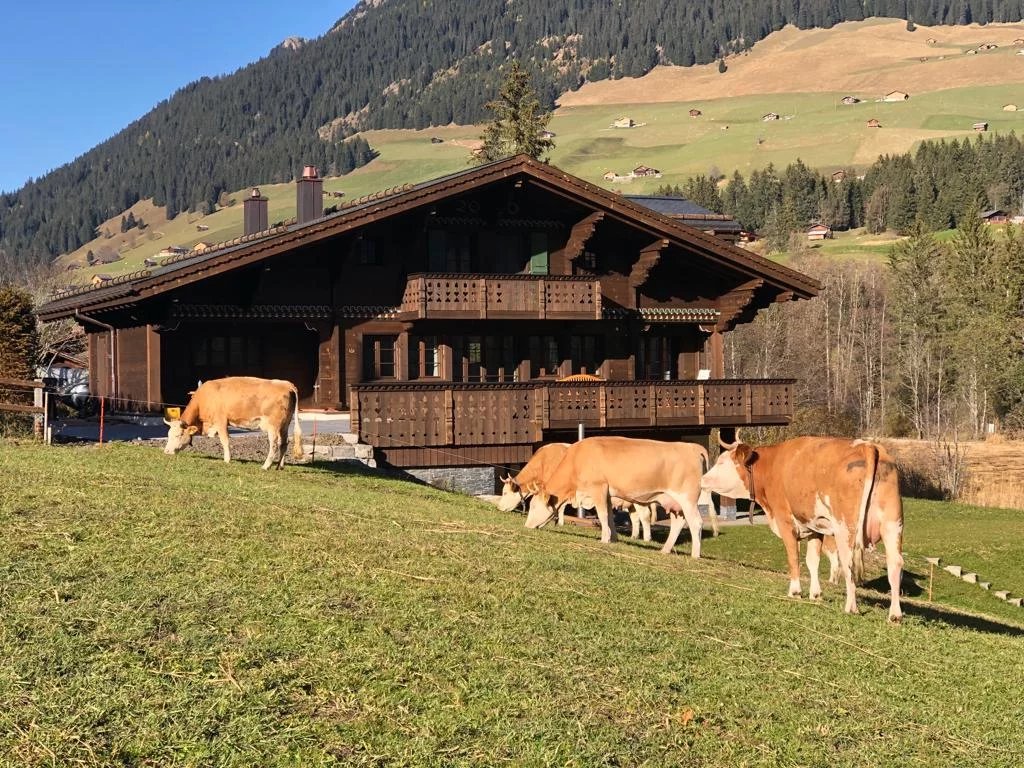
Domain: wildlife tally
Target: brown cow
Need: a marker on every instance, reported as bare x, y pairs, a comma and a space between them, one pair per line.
240, 401
516, 490
638, 471
815, 487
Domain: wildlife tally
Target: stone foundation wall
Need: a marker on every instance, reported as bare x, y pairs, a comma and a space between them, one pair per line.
473, 481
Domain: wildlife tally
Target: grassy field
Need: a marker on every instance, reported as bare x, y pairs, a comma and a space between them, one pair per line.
158, 611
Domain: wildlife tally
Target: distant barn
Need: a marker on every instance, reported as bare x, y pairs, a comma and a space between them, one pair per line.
873, 123
1009, 107
819, 232
850, 100
980, 127
695, 113
994, 216
769, 117
896, 96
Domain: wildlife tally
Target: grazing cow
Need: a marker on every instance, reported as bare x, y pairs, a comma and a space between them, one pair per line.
818, 487
598, 469
516, 490
240, 401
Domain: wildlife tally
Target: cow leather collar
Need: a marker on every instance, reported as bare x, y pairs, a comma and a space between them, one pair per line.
750, 483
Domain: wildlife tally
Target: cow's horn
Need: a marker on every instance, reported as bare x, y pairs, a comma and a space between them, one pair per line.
168, 422
728, 446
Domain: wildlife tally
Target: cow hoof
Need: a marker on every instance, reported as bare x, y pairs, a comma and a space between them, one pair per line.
896, 619
665, 551
815, 598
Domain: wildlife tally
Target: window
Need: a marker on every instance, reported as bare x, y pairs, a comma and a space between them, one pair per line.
428, 358
217, 355
586, 263
545, 359
449, 251
657, 359
364, 251
380, 357
585, 353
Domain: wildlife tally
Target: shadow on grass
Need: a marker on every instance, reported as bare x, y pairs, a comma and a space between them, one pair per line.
950, 616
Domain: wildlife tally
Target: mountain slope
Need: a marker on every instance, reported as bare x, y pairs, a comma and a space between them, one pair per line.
394, 63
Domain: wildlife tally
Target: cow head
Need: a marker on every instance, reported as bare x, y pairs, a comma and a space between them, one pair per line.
512, 495
730, 475
543, 508
179, 436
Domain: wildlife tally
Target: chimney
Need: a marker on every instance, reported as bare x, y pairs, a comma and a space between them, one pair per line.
309, 196
254, 213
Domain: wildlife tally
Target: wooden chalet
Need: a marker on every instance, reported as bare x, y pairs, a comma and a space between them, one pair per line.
445, 315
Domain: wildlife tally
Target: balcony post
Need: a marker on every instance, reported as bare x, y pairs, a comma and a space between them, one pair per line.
542, 298
483, 298
449, 416
602, 404
748, 405
652, 404
598, 310
422, 288
700, 405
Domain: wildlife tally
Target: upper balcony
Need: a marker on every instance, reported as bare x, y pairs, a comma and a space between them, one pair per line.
511, 297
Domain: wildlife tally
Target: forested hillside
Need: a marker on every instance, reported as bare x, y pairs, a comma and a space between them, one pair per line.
397, 63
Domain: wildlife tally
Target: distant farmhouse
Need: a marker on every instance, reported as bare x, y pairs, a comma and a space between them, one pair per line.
839, 176
627, 122
171, 250
994, 216
980, 126
819, 232
695, 113
769, 117
100, 279
1018, 41
547, 134
645, 170
1009, 107
896, 96
873, 123
971, 52
932, 41
850, 100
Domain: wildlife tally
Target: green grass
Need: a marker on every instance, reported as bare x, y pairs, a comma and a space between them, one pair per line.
159, 610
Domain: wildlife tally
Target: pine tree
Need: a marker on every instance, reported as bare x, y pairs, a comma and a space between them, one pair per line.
19, 340
517, 122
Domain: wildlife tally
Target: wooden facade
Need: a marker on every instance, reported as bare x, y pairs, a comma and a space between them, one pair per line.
426, 308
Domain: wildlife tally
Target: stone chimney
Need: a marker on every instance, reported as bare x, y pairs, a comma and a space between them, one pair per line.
309, 196
255, 213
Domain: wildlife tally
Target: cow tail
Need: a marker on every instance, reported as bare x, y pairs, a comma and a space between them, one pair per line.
870, 466
297, 437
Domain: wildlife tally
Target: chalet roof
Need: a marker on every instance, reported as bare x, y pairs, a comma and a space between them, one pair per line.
183, 269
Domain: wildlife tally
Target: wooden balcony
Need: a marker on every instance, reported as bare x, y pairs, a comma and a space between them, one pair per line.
450, 424
512, 297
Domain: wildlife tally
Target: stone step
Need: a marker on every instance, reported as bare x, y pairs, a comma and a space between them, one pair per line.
933, 560
1002, 594
970, 578
1017, 601
985, 584
956, 570
345, 451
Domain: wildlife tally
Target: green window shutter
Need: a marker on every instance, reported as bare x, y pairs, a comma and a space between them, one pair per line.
539, 253
435, 250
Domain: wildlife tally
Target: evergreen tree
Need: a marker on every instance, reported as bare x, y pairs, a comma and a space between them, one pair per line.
19, 340
517, 121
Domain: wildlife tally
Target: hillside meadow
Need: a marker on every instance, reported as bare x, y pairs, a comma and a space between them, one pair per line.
800, 74
178, 611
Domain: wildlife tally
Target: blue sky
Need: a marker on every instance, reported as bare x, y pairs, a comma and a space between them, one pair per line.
74, 73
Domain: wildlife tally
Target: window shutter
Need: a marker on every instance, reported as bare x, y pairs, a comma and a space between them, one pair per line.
539, 253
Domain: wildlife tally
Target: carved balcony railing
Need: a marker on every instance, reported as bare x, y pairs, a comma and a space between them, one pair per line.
473, 296
489, 421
